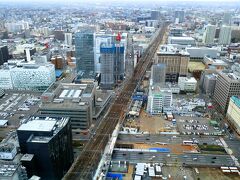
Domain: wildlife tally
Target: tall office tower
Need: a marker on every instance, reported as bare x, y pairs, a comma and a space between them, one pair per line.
59, 35
227, 18
112, 63
68, 38
155, 15
4, 54
158, 73
225, 35
84, 43
179, 16
176, 62
99, 40
227, 85
209, 34
49, 141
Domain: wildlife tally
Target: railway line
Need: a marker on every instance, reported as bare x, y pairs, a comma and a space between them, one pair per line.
85, 165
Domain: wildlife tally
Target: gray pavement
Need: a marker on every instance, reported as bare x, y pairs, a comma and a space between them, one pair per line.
169, 139
182, 159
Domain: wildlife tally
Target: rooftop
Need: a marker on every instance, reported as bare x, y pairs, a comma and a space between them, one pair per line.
170, 49
7, 169
48, 126
38, 125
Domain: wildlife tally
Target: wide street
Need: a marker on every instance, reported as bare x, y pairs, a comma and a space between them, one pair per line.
182, 159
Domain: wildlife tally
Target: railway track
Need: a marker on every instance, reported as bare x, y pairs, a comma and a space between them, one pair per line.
85, 165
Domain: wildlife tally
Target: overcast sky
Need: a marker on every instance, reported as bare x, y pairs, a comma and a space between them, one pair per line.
118, 0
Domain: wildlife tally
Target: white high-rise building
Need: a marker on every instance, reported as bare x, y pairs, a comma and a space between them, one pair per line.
209, 34
27, 76
225, 35
68, 38
227, 18
159, 98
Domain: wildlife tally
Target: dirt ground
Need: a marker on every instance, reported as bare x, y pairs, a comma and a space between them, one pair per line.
215, 174
152, 124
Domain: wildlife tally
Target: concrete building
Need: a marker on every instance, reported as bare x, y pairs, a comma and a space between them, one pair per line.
12, 171
187, 84
233, 112
68, 38
209, 34
176, 62
5, 78
158, 73
70, 100
198, 53
155, 15
84, 44
99, 40
209, 84
179, 16
1, 92
227, 85
184, 41
176, 31
4, 54
227, 18
112, 65
27, 76
49, 141
225, 35
158, 98
211, 63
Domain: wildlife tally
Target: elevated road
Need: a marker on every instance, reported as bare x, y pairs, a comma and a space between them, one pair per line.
85, 165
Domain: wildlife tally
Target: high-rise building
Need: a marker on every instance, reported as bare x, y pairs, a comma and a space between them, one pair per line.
99, 40
68, 38
227, 85
225, 35
155, 15
159, 97
209, 83
158, 73
49, 140
27, 76
179, 16
209, 34
112, 64
176, 62
84, 43
227, 18
4, 54
233, 112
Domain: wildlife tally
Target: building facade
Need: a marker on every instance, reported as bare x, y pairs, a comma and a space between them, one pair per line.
233, 112
225, 35
176, 62
112, 65
70, 100
209, 34
227, 85
158, 98
4, 54
187, 84
158, 73
179, 16
84, 45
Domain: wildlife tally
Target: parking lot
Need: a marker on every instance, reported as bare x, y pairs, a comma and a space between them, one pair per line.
15, 106
196, 125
